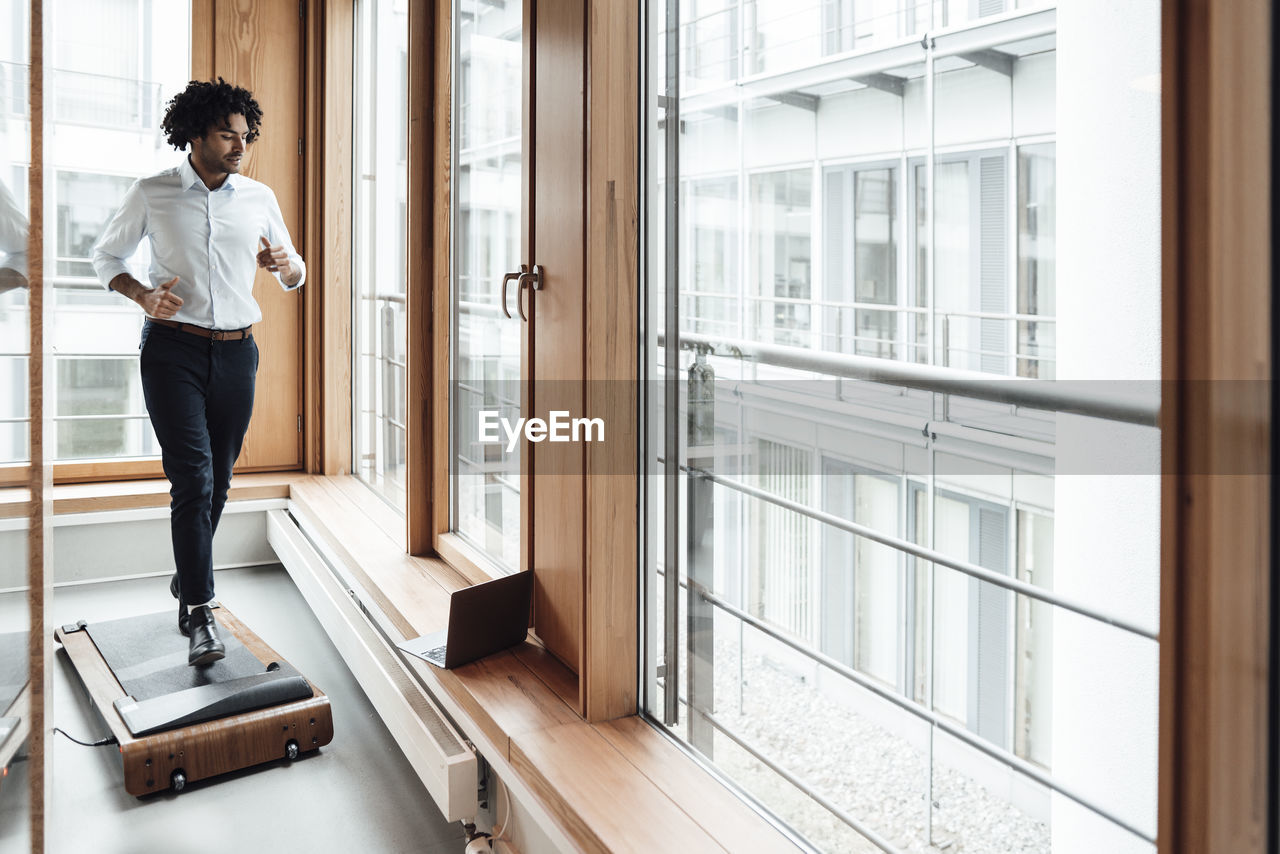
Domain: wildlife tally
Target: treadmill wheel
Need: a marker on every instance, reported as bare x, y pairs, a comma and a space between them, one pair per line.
177, 780
291, 749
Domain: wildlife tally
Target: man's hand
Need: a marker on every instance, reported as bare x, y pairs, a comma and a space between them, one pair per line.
160, 302
276, 260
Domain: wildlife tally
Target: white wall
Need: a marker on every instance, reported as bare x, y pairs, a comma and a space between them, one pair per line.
1107, 527
108, 545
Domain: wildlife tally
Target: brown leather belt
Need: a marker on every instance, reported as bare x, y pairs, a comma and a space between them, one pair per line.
215, 334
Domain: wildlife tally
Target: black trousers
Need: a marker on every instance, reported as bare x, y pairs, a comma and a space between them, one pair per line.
199, 394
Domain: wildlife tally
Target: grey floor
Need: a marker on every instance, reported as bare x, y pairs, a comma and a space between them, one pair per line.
358, 793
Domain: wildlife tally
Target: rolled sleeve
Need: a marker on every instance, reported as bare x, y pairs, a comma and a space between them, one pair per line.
121, 237
278, 235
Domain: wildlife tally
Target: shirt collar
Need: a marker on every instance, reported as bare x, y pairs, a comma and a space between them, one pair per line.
190, 178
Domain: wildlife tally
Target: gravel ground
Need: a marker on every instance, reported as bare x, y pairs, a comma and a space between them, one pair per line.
875, 776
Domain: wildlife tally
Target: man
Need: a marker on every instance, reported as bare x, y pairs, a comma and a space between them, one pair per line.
208, 227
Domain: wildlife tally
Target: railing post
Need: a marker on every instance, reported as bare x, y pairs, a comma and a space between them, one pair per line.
387, 351
700, 555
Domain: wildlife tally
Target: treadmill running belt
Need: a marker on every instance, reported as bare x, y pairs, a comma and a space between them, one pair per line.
148, 655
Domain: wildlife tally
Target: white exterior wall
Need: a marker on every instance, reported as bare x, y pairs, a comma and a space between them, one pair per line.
1035, 95
972, 105
1107, 528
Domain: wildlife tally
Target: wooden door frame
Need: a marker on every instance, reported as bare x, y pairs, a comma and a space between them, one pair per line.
609, 664
1216, 426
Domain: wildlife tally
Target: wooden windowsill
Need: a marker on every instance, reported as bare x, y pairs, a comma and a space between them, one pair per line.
135, 494
617, 786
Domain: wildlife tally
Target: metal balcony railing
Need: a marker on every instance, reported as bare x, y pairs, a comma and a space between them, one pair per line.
82, 98
1055, 396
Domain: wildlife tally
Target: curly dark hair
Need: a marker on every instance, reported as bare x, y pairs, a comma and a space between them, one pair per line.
196, 109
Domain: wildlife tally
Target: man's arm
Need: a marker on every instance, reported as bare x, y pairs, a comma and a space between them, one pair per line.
158, 302
276, 249
119, 238
275, 259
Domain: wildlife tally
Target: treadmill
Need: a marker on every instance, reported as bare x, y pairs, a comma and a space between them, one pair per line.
176, 723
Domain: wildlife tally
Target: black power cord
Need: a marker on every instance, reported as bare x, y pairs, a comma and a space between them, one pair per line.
103, 743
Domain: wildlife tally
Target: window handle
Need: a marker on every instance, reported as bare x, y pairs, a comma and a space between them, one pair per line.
508, 277
531, 278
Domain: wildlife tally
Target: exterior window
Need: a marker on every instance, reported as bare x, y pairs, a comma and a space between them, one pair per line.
861, 595
970, 271
486, 359
100, 412
971, 650
1037, 262
852, 555
861, 261
85, 202
711, 37
96, 78
781, 577
115, 65
711, 241
379, 251
14, 327
1033, 705
781, 234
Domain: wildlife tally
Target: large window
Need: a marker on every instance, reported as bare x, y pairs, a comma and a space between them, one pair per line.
486, 358
379, 248
866, 606
861, 270
104, 106
15, 143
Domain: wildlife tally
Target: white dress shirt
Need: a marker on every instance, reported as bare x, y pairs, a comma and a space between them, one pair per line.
208, 239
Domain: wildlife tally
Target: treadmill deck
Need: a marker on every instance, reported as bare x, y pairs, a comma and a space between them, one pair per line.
174, 757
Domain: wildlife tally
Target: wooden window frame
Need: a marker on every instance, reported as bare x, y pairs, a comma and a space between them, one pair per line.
608, 681
313, 215
1216, 512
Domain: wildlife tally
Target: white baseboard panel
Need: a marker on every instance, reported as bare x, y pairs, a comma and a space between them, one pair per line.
442, 758
536, 830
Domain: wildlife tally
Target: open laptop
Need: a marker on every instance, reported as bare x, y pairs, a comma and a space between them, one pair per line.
483, 619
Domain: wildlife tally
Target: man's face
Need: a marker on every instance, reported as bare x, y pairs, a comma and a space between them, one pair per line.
222, 148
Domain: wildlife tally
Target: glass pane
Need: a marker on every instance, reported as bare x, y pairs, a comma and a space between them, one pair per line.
15, 148
380, 252
1033, 706
485, 467
781, 257
828, 220
115, 66
1037, 280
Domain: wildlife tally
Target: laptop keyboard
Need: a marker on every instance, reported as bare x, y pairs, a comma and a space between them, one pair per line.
435, 656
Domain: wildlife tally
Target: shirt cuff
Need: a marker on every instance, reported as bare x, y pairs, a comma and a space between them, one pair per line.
302, 268
108, 268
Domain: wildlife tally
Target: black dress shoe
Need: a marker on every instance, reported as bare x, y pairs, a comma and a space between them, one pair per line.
205, 646
184, 621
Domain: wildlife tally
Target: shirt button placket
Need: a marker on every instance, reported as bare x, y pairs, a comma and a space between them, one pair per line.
213, 313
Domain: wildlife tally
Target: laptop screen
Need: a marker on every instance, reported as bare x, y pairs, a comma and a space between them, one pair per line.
488, 617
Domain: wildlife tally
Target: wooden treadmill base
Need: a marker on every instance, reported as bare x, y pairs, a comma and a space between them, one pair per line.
202, 750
